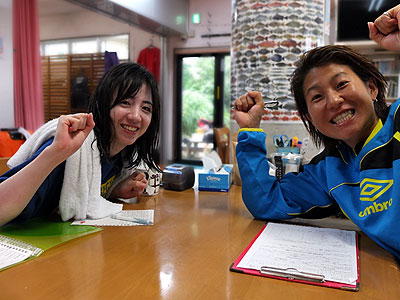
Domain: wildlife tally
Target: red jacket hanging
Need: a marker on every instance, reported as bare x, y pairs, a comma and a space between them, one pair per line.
150, 58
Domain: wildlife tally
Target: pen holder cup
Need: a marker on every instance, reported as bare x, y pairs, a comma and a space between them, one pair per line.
291, 163
153, 182
295, 150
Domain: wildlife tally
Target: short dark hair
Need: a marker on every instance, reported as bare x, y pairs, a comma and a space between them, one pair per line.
119, 83
342, 55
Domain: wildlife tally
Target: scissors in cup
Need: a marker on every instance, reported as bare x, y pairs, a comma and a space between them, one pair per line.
281, 140
294, 141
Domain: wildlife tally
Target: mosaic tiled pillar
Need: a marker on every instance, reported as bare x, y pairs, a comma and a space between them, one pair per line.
267, 38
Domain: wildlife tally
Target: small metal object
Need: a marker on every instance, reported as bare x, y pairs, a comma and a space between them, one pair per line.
267, 105
271, 104
386, 13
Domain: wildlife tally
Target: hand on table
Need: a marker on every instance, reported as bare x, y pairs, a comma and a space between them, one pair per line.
130, 187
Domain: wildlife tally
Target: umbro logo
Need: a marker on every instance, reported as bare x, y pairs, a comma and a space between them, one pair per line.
372, 189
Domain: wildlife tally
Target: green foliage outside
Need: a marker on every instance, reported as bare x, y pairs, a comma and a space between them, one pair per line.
198, 92
196, 105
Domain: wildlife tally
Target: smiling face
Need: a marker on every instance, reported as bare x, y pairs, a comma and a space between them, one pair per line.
130, 117
339, 103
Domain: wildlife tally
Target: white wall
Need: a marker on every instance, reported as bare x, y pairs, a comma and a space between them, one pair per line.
215, 19
6, 66
165, 12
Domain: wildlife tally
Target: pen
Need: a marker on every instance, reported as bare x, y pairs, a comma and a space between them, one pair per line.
267, 105
132, 219
292, 273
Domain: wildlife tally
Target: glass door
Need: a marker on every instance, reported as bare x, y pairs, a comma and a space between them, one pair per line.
203, 103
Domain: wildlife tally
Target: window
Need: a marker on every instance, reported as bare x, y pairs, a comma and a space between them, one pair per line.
56, 48
118, 43
114, 43
80, 47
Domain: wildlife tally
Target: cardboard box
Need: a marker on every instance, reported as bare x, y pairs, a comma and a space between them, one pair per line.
220, 181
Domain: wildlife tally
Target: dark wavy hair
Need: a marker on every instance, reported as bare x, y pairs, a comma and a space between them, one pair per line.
342, 55
119, 83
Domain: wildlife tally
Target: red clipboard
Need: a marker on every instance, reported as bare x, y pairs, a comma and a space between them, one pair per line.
307, 279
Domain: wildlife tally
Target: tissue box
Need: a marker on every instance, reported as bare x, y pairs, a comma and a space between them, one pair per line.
220, 181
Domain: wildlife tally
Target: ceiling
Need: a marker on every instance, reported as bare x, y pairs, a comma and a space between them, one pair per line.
54, 7
104, 7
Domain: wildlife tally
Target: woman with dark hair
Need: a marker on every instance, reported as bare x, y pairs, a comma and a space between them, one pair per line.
116, 86
69, 167
340, 96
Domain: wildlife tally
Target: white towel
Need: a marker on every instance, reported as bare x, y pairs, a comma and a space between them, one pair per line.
81, 190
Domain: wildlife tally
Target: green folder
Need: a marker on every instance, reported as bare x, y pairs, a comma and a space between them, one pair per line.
45, 233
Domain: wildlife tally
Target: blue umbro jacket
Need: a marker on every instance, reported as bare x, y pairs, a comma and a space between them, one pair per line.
366, 185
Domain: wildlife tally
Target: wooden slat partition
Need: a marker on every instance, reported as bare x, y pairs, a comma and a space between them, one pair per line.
57, 72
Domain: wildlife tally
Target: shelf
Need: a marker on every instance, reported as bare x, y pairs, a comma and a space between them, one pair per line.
367, 47
387, 62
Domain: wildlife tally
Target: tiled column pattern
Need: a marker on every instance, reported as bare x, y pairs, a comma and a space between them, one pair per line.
267, 38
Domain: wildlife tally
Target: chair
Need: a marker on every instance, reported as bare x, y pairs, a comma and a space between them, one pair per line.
236, 180
223, 141
3, 165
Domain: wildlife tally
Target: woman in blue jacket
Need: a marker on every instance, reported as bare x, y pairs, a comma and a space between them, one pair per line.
76, 163
340, 96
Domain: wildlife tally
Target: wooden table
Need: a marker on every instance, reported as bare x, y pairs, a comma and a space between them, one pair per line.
185, 255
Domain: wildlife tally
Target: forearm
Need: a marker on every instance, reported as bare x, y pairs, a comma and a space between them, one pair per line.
260, 191
18, 190
264, 196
